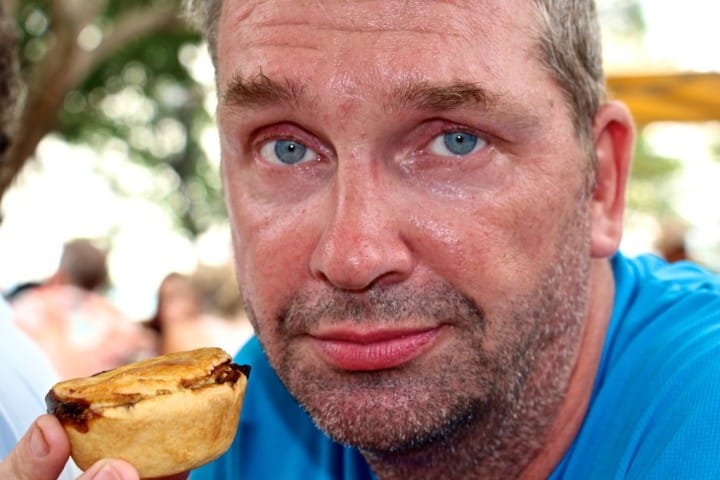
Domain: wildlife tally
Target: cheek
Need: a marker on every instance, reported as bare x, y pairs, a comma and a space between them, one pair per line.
492, 250
272, 248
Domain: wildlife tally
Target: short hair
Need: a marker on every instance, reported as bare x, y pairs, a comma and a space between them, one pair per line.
84, 265
204, 15
570, 47
569, 44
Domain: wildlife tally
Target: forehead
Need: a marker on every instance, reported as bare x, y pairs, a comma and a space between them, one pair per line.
357, 45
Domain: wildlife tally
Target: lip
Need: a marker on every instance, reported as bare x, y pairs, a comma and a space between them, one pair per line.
354, 350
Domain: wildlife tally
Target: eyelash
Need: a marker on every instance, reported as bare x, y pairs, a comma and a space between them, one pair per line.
274, 136
481, 136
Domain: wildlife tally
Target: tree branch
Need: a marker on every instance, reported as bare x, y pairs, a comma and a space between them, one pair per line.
66, 66
131, 26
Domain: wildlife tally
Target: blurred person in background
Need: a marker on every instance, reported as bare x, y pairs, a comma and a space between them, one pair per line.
672, 242
26, 374
192, 313
82, 265
68, 316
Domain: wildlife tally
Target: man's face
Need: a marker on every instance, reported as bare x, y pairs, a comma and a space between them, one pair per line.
410, 225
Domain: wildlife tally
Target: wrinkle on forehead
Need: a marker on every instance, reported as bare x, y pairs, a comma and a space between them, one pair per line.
304, 33
356, 16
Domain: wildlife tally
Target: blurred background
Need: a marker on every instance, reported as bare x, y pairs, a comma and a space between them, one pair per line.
121, 147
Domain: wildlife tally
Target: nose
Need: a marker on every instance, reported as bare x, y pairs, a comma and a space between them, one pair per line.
362, 241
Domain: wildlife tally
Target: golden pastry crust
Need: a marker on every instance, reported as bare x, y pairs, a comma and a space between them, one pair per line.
165, 415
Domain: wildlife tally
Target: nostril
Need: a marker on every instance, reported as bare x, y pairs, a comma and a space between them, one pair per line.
356, 266
361, 239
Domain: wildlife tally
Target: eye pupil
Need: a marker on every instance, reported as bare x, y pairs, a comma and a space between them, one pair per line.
460, 143
289, 152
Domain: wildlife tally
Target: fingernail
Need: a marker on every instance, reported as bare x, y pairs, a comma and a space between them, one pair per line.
107, 472
38, 445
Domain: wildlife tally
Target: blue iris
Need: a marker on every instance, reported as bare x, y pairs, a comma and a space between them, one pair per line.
460, 143
289, 152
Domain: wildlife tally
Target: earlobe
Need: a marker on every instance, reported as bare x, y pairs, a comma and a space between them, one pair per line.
614, 137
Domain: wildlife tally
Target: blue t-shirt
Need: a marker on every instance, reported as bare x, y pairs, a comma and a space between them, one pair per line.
654, 411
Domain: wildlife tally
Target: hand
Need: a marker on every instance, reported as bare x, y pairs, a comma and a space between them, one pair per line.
42, 453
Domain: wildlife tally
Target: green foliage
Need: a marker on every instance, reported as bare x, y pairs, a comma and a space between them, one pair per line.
623, 18
650, 166
143, 96
649, 189
149, 67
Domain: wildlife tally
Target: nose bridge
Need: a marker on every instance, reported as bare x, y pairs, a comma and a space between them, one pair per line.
358, 206
362, 240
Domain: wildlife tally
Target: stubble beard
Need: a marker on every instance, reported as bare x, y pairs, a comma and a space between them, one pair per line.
505, 397
402, 408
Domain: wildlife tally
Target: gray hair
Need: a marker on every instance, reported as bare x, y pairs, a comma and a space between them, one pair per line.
205, 15
569, 48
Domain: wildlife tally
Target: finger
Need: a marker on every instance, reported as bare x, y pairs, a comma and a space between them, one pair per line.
110, 469
40, 454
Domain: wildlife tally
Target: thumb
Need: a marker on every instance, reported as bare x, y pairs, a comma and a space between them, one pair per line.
110, 469
40, 454
113, 469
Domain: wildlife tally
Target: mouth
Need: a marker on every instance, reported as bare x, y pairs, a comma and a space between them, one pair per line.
357, 350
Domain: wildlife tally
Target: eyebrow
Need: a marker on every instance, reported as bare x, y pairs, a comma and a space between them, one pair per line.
263, 91
260, 91
426, 96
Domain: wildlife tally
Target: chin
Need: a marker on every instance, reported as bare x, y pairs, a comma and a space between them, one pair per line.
395, 410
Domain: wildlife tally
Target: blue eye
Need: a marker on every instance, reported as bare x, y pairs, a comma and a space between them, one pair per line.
456, 144
289, 152
286, 152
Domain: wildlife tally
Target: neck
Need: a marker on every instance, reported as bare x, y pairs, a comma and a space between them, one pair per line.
573, 409
517, 455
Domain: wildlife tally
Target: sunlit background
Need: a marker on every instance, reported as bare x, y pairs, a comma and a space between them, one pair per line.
133, 163
674, 190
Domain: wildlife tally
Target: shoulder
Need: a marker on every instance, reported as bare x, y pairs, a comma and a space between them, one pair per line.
649, 272
655, 409
666, 323
661, 304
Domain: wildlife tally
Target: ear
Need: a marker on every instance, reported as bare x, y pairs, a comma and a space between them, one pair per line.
614, 136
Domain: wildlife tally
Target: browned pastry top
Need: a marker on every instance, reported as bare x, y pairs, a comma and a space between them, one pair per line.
78, 401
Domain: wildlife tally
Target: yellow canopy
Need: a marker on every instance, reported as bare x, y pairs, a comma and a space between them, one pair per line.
681, 97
